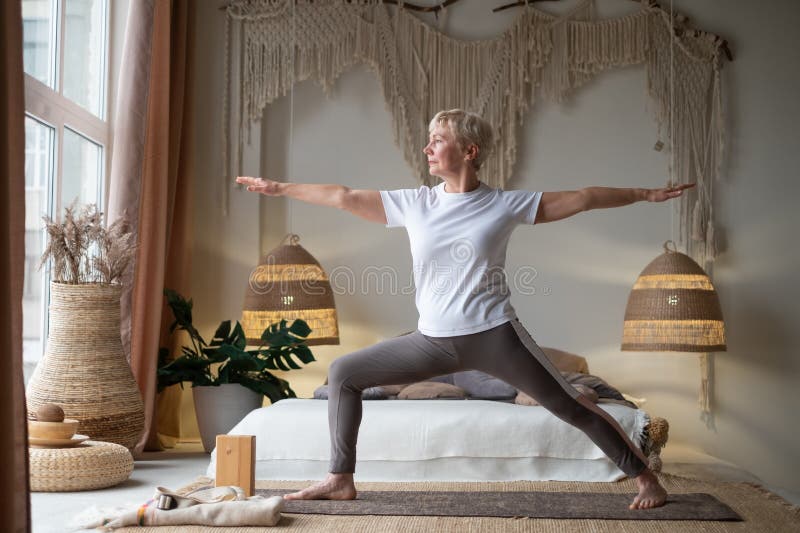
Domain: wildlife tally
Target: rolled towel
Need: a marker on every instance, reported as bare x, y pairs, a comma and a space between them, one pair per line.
217, 506
251, 512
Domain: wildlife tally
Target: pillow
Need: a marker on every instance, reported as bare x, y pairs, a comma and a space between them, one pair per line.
566, 362
394, 390
603, 389
524, 399
371, 393
477, 385
482, 386
428, 390
445, 378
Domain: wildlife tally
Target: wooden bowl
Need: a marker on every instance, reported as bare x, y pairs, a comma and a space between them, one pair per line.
52, 430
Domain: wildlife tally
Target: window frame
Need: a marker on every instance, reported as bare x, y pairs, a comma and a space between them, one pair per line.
52, 108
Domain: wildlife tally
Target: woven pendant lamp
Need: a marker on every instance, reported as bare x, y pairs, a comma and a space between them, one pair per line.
289, 284
673, 307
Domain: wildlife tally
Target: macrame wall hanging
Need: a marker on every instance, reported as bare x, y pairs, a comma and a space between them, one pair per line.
422, 71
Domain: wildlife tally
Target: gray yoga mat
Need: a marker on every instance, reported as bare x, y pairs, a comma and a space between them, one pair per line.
692, 506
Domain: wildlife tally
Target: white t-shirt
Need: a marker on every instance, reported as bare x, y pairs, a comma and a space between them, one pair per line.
458, 246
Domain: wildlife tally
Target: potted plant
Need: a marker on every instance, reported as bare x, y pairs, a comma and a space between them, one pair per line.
84, 368
228, 379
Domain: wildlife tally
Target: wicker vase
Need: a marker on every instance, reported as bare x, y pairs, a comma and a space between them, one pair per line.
84, 369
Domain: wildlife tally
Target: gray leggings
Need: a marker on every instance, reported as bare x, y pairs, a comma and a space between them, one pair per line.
506, 351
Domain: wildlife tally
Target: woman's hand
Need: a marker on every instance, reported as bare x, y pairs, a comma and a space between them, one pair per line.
261, 185
660, 195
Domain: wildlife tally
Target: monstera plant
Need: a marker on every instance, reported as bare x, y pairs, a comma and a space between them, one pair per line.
228, 378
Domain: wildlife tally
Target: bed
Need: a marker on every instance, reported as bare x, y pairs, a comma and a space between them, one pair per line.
446, 439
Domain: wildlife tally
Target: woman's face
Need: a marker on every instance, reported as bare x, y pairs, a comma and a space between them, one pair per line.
445, 157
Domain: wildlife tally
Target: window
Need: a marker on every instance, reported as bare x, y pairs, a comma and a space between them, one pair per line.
67, 133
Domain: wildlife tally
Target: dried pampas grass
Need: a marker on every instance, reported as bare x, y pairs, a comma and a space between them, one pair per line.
84, 250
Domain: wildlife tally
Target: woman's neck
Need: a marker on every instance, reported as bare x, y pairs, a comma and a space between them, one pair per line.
464, 183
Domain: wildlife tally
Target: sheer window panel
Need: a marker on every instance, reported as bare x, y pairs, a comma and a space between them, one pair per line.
82, 169
84, 54
39, 30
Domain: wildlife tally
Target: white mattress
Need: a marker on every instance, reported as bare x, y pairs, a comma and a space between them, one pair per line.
433, 440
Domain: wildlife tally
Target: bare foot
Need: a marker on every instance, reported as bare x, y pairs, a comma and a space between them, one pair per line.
333, 487
651, 493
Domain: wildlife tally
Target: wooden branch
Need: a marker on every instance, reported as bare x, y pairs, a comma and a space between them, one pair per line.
406, 5
723, 44
516, 4
424, 9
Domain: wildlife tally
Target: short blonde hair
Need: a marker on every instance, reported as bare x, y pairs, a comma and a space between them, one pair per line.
467, 128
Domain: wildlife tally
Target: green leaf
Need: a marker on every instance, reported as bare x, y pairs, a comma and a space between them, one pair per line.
288, 358
188, 352
182, 310
239, 339
223, 374
269, 333
304, 353
270, 386
226, 350
187, 363
300, 328
221, 335
241, 363
182, 369
281, 365
163, 357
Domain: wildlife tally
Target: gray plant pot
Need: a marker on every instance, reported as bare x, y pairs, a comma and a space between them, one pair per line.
220, 408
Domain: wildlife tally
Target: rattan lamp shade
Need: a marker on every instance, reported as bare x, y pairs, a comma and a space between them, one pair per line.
287, 285
673, 307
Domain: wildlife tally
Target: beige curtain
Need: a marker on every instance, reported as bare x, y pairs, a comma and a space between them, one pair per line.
15, 503
151, 181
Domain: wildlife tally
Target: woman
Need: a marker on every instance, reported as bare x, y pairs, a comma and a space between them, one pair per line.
459, 232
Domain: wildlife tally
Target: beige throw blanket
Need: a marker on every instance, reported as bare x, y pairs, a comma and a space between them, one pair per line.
218, 506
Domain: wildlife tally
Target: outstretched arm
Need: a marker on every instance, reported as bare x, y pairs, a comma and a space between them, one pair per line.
363, 203
559, 205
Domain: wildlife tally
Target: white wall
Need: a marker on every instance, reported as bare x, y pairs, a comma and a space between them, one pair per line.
586, 265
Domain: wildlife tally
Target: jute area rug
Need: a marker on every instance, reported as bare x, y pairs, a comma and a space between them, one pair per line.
760, 510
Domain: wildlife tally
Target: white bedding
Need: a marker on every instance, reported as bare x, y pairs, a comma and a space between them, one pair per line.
433, 440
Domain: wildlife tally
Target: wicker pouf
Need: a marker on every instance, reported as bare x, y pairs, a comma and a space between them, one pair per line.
91, 465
